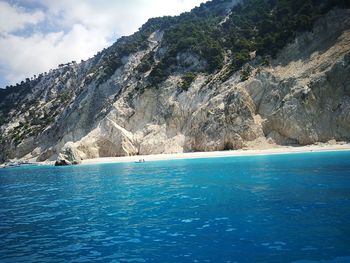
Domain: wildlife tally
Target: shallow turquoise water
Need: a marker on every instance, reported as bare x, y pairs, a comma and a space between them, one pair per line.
279, 208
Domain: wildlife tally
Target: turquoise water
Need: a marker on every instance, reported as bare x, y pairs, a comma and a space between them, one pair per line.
278, 208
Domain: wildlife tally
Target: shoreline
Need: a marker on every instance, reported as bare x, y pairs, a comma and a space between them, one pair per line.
218, 154
274, 150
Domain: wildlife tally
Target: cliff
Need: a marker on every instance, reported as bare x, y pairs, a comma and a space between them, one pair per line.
117, 103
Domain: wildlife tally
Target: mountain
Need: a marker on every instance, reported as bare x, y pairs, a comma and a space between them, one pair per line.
227, 75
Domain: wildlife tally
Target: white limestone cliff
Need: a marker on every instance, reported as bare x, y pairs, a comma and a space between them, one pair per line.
302, 98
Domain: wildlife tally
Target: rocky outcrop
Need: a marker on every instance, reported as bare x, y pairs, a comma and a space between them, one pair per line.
62, 162
302, 98
68, 155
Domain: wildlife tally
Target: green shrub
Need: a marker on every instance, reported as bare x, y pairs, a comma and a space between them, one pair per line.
65, 96
2, 120
227, 73
245, 73
146, 63
187, 80
266, 61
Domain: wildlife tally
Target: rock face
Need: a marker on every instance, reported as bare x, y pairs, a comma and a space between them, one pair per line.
303, 97
62, 162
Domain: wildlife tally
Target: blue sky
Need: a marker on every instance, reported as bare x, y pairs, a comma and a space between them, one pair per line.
37, 35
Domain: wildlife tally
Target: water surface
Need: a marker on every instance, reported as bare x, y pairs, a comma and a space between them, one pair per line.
278, 208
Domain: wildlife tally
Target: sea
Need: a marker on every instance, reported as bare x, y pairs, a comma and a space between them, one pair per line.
268, 208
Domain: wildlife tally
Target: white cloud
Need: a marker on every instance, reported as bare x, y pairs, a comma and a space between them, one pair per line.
119, 16
26, 56
77, 30
13, 18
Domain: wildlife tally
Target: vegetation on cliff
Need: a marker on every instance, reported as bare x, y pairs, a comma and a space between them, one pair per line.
252, 28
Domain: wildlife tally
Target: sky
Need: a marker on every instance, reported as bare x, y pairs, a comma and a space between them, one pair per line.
37, 35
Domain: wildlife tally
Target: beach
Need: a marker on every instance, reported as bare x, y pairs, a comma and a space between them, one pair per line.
263, 150
321, 147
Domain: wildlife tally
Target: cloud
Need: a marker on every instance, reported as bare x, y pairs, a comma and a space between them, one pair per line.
13, 18
66, 30
26, 56
119, 16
